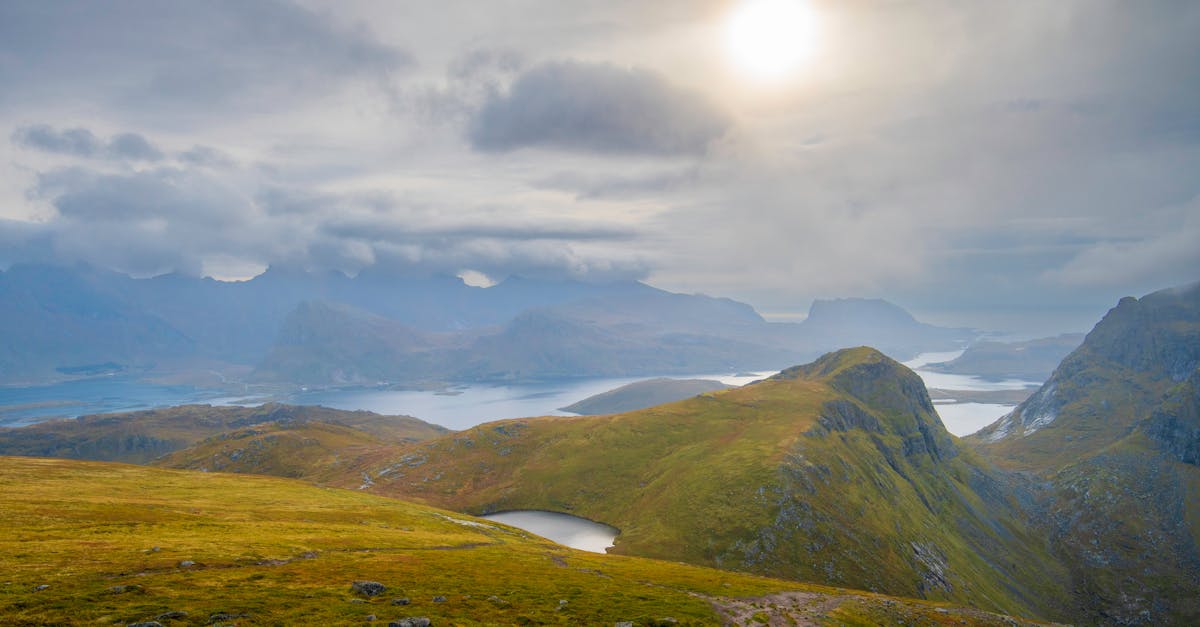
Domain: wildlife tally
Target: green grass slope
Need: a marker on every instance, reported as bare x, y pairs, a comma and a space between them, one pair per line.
838, 472
138, 437
185, 548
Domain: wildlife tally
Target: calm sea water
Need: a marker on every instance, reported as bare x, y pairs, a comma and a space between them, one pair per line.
567, 530
27, 405
964, 418
463, 408
473, 405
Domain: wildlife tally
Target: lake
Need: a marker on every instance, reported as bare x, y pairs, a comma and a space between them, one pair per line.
964, 418
567, 530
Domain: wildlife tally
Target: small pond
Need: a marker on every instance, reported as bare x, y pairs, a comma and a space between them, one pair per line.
572, 531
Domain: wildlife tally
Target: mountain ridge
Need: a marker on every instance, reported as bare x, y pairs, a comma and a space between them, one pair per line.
186, 328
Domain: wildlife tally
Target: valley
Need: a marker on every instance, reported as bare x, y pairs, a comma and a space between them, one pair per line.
838, 471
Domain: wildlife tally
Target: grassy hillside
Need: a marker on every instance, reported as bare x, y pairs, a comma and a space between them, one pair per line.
277, 449
838, 472
183, 548
138, 437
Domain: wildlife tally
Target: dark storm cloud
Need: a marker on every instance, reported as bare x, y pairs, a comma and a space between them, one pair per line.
598, 108
179, 59
80, 142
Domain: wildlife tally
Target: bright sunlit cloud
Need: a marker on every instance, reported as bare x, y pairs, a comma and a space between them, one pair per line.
770, 39
475, 278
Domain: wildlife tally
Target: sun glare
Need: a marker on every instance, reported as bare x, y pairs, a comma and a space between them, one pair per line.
770, 39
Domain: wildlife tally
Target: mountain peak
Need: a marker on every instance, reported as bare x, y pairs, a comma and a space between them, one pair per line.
1130, 359
845, 310
881, 395
830, 364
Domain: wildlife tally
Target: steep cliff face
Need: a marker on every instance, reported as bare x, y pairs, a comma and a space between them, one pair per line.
1174, 426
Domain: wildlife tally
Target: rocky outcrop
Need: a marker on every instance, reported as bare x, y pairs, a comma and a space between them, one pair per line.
1175, 425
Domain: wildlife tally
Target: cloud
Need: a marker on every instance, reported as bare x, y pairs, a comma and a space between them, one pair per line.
78, 142
189, 217
471, 78
1171, 256
206, 156
81, 142
133, 147
181, 60
589, 186
597, 108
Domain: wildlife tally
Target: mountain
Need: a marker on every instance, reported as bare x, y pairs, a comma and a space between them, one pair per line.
1031, 360
838, 472
845, 322
1113, 436
1106, 387
303, 328
630, 330
139, 437
57, 321
322, 343
643, 394
139, 544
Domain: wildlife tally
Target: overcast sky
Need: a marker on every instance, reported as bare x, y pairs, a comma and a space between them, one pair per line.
1009, 164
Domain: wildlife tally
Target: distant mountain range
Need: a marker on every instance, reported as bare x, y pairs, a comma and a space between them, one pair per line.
302, 328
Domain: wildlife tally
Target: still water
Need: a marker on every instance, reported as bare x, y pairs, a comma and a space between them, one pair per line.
468, 406
567, 530
460, 408
964, 418
26, 405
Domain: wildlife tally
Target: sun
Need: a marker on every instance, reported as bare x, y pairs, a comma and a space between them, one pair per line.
769, 40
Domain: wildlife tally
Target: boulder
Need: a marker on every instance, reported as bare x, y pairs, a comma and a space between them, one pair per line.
368, 588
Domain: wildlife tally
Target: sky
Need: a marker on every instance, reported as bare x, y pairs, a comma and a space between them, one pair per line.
1011, 165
